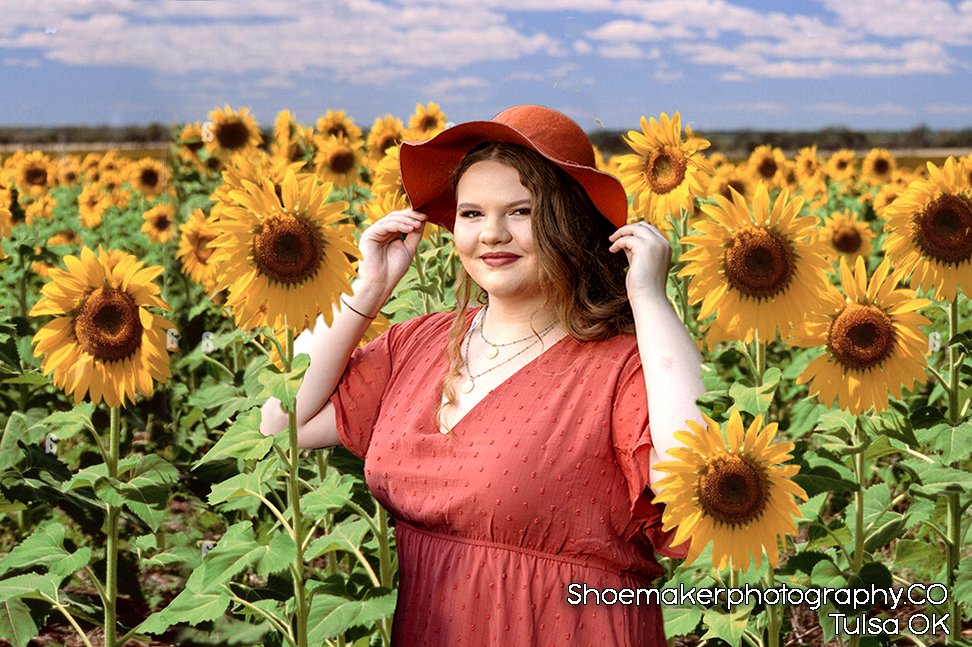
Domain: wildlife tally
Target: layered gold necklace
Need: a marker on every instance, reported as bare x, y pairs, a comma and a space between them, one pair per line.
493, 349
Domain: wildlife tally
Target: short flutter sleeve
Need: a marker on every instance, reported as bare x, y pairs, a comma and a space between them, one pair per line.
631, 436
359, 393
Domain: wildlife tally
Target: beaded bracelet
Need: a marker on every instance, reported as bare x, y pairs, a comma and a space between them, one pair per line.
355, 310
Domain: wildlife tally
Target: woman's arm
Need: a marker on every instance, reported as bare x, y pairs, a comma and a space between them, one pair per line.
329, 349
670, 359
387, 248
672, 366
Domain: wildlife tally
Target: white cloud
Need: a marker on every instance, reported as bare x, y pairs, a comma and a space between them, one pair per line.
582, 47
620, 50
949, 108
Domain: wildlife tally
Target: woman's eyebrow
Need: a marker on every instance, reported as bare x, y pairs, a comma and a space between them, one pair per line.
515, 203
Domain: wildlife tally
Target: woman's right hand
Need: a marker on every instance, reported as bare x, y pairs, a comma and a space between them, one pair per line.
385, 256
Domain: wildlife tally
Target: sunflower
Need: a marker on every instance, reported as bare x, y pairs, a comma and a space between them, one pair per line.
807, 163
840, 166
6, 223
231, 132
159, 222
878, 166
103, 340
426, 122
768, 164
195, 251
291, 141
386, 132
68, 170
727, 176
930, 230
148, 176
111, 162
885, 196
872, 344
35, 174
40, 207
846, 236
665, 174
336, 123
244, 168
718, 160
755, 267
90, 168
739, 497
283, 258
386, 178
338, 160
64, 237
92, 204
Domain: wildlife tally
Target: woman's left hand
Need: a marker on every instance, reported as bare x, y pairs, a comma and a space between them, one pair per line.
649, 258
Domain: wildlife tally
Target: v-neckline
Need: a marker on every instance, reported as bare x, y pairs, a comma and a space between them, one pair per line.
496, 388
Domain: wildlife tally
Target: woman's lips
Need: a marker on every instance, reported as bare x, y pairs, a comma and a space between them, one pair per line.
497, 261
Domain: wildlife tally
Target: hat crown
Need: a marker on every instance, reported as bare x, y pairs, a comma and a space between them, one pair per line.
555, 134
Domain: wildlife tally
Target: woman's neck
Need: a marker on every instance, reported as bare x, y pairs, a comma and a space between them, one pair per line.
506, 320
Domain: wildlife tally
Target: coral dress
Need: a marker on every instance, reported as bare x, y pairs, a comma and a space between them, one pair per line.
541, 485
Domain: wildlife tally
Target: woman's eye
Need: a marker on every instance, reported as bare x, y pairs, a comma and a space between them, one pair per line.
523, 211
468, 214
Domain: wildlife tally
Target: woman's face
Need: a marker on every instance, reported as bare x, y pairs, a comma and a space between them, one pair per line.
492, 231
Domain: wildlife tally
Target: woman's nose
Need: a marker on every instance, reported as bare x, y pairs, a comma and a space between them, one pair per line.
494, 230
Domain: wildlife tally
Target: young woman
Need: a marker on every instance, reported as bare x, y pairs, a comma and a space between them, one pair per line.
511, 441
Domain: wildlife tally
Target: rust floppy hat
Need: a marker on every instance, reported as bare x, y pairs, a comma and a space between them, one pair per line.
427, 166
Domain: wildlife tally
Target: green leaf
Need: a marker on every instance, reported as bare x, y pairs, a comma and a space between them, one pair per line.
937, 479
963, 583
332, 615
242, 440
29, 585
823, 478
837, 420
756, 400
826, 574
190, 607
283, 386
680, 621
883, 534
812, 507
236, 550
953, 442
45, 547
345, 536
333, 494
727, 626
242, 491
32, 378
922, 555
68, 423
16, 623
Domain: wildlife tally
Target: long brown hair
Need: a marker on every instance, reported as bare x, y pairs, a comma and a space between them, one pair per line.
583, 281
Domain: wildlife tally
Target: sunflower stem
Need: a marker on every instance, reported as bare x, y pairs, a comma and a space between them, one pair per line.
111, 547
859, 509
384, 558
774, 627
953, 365
297, 524
954, 555
420, 270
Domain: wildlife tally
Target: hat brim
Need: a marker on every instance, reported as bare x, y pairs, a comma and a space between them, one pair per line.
427, 168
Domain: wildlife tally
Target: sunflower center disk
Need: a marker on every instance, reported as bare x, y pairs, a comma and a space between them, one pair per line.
107, 325
759, 263
734, 490
233, 134
881, 166
289, 250
387, 142
150, 178
201, 248
861, 337
35, 176
847, 240
161, 223
665, 169
943, 230
767, 168
341, 161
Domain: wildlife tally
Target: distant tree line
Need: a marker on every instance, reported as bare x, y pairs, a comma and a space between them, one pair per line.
609, 141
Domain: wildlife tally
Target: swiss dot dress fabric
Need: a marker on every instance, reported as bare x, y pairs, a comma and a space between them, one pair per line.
542, 484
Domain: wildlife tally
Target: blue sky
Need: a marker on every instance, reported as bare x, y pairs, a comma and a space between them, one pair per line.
721, 63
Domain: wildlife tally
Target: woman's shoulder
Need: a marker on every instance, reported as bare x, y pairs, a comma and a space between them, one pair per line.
418, 332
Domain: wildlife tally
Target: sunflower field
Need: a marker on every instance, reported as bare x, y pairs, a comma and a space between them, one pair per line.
149, 308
